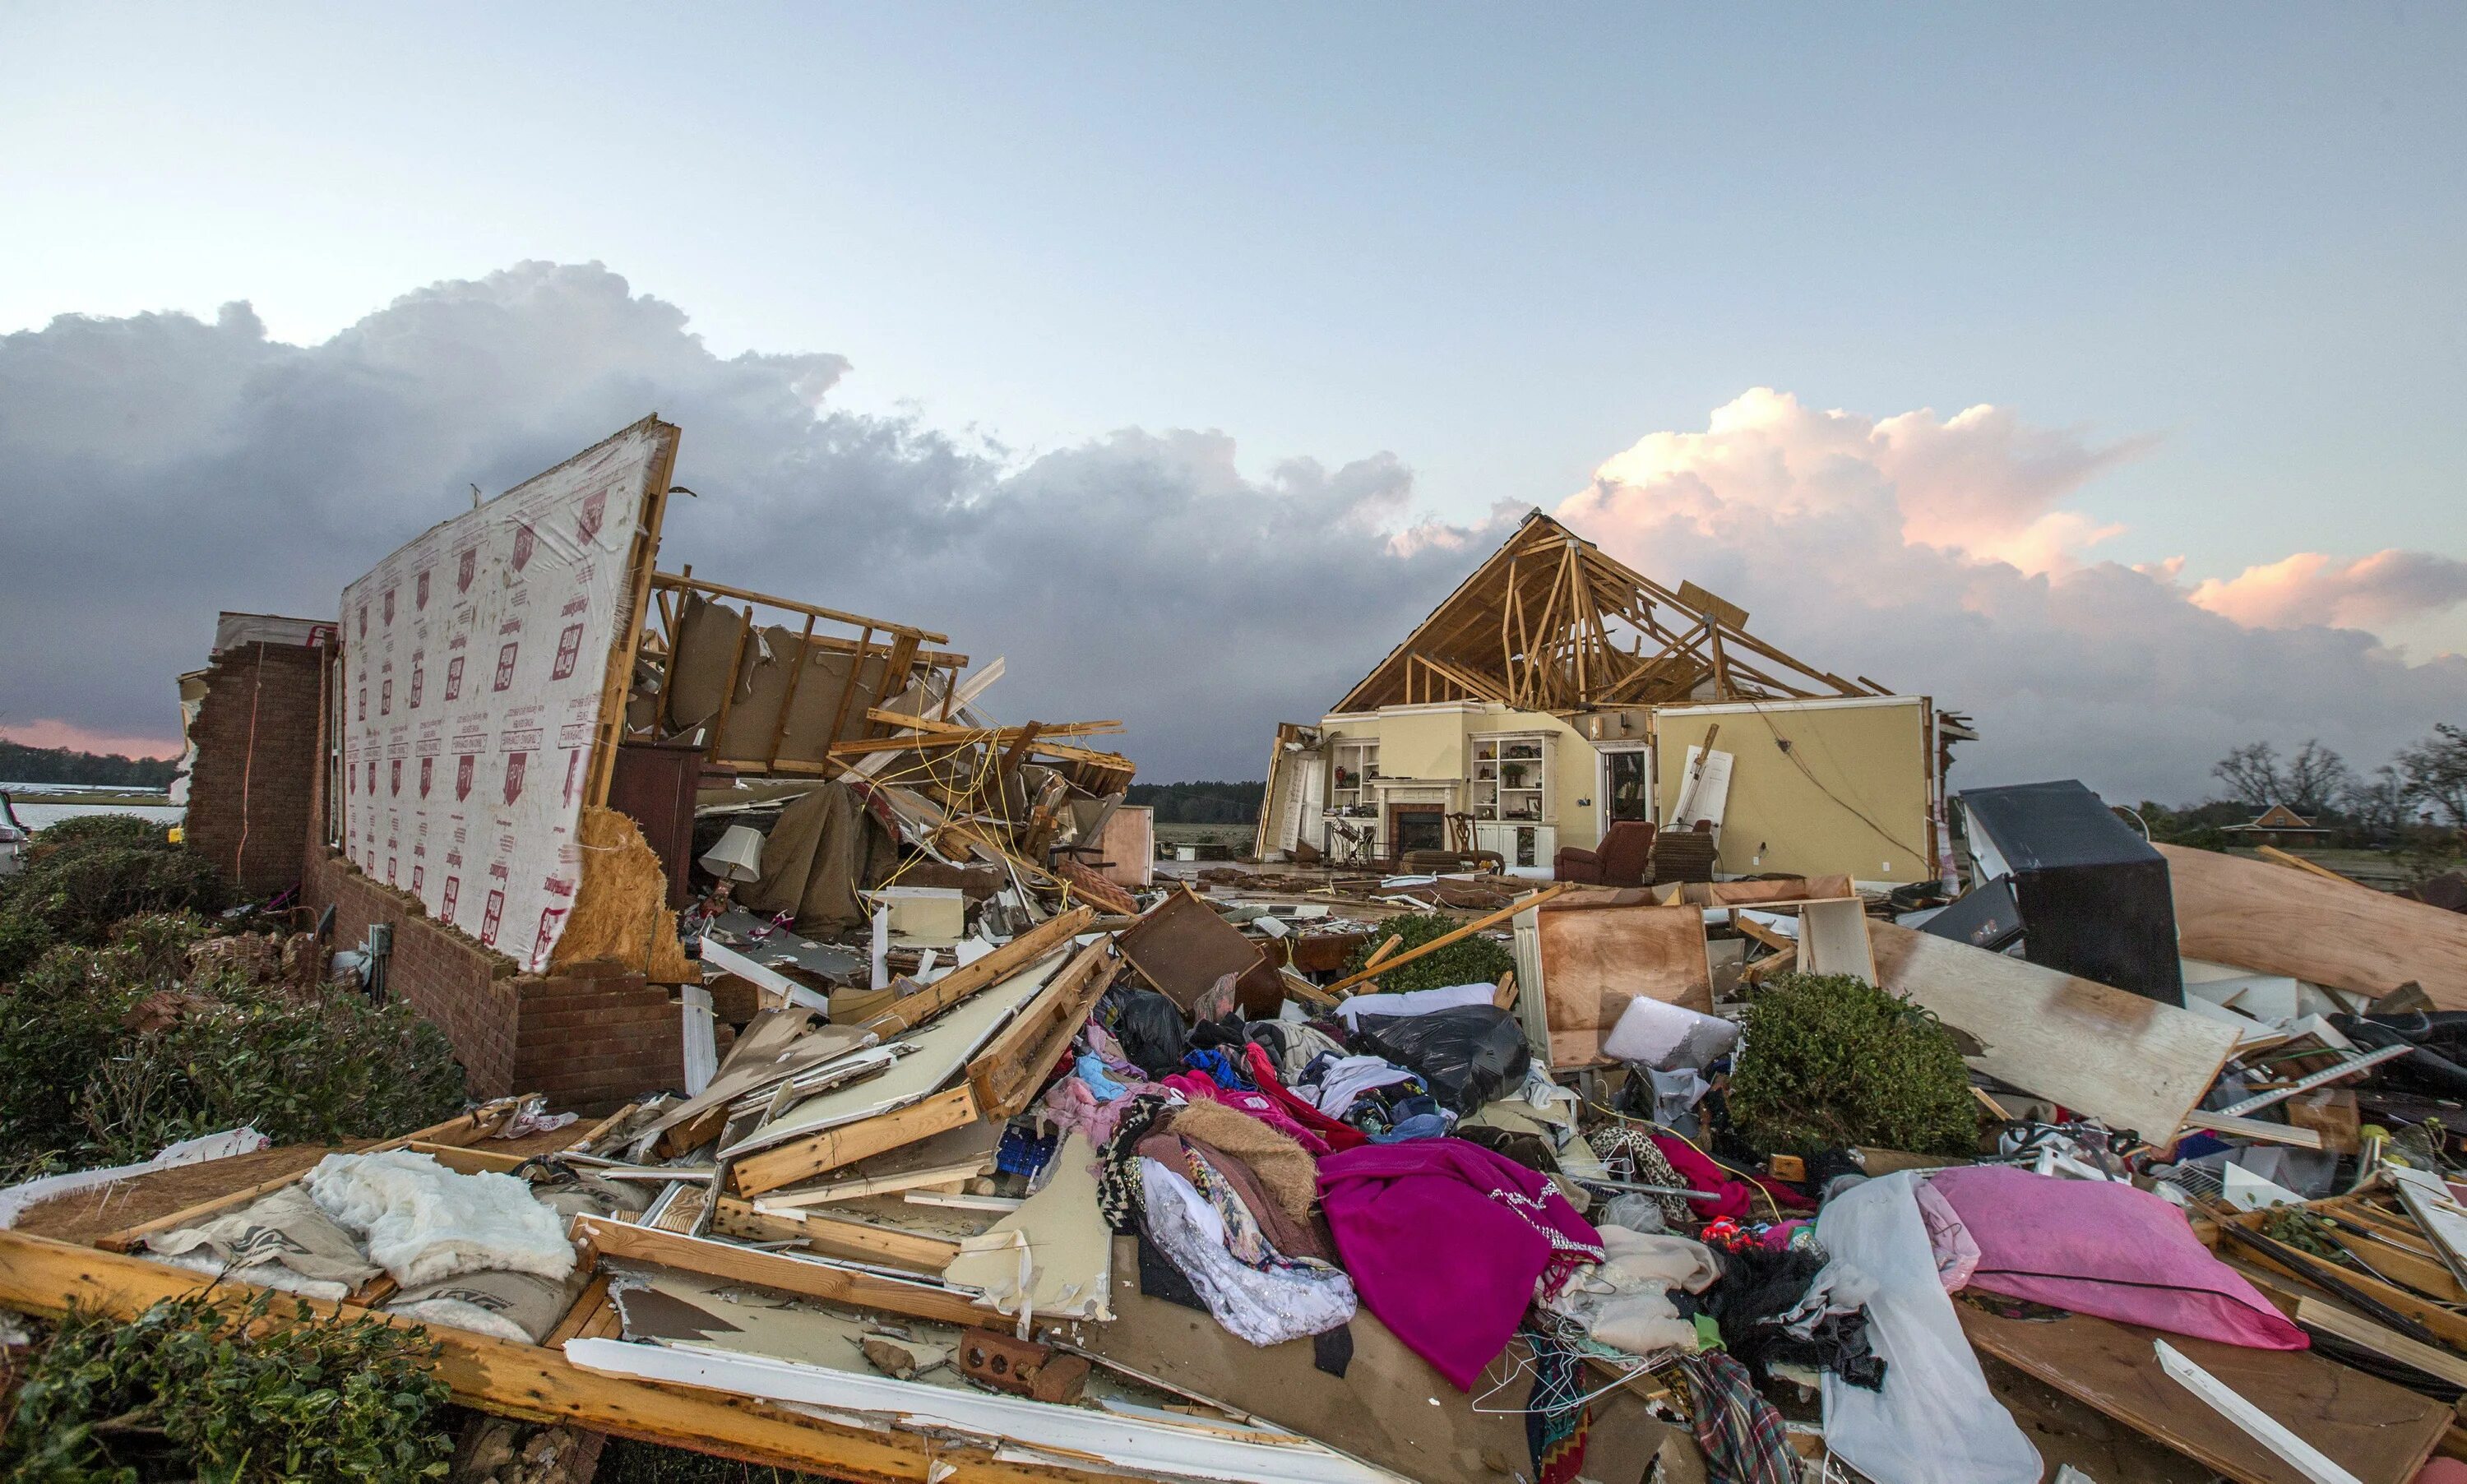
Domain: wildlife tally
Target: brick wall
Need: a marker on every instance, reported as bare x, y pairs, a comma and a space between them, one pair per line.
253, 793
590, 1039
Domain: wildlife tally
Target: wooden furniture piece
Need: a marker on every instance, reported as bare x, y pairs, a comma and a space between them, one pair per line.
654, 784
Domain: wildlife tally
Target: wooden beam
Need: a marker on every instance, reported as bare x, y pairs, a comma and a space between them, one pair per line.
631, 1243
1013, 1065
532, 1383
2277, 857
829, 1149
796, 679
747, 594
642, 555
1493, 920
905, 1014
834, 1235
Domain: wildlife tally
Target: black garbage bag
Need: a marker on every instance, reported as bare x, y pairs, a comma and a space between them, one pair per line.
1466, 1056
1151, 1032
2438, 1037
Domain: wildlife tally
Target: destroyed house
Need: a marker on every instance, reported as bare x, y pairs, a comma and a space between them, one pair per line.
502, 766
1557, 693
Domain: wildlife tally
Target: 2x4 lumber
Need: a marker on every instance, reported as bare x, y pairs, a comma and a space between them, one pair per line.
1065, 728
1479, 924
854, 621
847, 691
728, 697
129, 1239
894, 672
2277, 857
1012, 1065
630, 1242
796, 680
534, 1384
829, 1149
913, 1010
834, 1235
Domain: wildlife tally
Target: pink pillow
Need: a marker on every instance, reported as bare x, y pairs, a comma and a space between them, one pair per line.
2100, 1247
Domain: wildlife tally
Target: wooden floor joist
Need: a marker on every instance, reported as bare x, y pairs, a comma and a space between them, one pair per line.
534, 1384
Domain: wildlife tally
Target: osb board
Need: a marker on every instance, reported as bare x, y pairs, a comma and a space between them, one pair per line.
2136, 1062
2379, 1432
2272, 919
1183, 948
100, 1210
1389, 1408
1596, 959
621, 910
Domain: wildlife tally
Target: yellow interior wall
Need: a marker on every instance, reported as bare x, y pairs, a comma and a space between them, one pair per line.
1867, 761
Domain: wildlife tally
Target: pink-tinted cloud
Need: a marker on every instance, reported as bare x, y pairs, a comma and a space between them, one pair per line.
1937, 555
51, 732
2369, 592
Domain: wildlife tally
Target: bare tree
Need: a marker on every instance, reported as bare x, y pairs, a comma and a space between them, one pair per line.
2433, 771
2378, 804
2316, 778
2253, 775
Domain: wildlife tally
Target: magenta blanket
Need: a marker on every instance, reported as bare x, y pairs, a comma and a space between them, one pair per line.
2099, 1247
1446, 1242
1194, 1085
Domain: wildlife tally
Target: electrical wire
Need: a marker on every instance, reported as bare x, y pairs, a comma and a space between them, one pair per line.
1788, 748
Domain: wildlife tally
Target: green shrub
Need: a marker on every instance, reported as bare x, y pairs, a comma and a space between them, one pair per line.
83, 875
1826, 1060
1473, 960
23, 937
84, 1074
190, 1391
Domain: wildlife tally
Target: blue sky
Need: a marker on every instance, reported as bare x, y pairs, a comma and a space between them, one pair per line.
2206, 260
1501, 246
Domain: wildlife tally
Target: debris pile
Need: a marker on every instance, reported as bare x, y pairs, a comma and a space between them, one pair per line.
997, 1148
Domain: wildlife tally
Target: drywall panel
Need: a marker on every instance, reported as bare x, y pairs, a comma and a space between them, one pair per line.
1849, 794
1431, 745
476, 665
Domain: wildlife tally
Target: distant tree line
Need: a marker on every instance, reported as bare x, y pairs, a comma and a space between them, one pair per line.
23, 764
2414, 803
1200, 803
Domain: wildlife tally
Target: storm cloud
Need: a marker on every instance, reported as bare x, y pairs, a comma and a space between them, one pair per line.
161, 469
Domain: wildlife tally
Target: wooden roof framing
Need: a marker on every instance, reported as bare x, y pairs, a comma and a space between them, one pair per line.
1549, 623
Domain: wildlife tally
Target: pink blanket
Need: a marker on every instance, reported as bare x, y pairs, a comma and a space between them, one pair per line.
1193, 1086
2099, 1247
1449, 1243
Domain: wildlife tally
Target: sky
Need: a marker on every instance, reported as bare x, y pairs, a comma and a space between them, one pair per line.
2098, 371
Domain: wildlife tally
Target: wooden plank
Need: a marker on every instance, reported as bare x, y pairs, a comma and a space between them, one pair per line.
630, 1242
2136, 1062
2380, 1432
531, 1383
2277, 857
2316, 1314
2272, 920
836, 1236
129, 1239
1478, 925
2253, 1128
691, 583
993, 968
642, 555
1183, 948
769, 1169
2269, 1432
1597, 960
1013, 1065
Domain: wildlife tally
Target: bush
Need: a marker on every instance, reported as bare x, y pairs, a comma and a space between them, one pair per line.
1826, 1060
1473, 960
83, 875
188, 1390
109, 1053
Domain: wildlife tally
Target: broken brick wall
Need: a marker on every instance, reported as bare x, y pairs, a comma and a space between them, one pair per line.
591, 1038
254, 792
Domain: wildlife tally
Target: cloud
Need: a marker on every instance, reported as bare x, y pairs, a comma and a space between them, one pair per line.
2308, 588
164, 467
1850, 542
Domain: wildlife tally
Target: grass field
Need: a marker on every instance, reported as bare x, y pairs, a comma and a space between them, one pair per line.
1239, 836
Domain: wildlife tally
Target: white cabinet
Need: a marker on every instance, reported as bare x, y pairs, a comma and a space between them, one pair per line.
1518, 845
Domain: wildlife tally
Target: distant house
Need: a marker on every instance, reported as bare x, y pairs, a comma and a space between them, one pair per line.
2278, 825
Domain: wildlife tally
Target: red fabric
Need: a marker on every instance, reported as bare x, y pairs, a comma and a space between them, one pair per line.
1737, 1195
1263, 1072
2097, 1246
2443, 1470
1446, 1242
1621, 860
1196, 1085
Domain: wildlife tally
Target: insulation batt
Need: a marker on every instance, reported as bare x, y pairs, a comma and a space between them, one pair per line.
423, 1221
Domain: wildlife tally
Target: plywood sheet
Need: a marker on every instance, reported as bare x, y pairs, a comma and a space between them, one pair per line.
2135, 1063
2379, 1432
1596, 959
2272, 920
1389, 1408
1183, 948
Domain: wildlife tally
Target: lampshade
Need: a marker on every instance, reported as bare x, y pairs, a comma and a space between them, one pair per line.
738, 855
